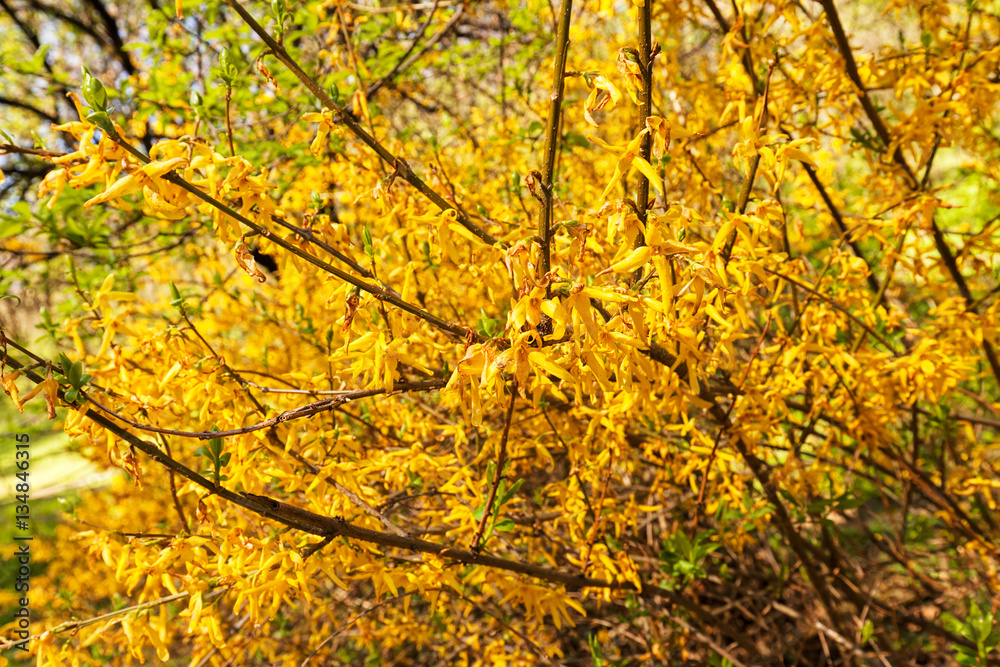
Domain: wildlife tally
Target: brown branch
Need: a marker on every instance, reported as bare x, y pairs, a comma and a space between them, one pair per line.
781, 516
307, 410
552, 138
645, 109
746, 58
944, 250
319, 243
11, 148
328, 527
851, 67
744, 197
325, 526
873, 283
111, 27
411, 56
173, 490
946, 94
75, 21
352, 124
377, 292
871, 332
497, 474
20, 104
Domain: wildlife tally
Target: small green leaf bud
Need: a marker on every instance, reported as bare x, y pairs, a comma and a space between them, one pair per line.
94, 92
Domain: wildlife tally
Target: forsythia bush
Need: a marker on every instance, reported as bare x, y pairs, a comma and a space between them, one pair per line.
511, 333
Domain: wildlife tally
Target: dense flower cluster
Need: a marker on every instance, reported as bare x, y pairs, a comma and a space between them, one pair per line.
785, 345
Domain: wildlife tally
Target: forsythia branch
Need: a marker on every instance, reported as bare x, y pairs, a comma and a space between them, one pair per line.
377, 292
405, 172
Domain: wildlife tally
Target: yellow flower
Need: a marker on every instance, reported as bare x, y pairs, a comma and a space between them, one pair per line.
602, 92
325, 120
528, 309
105, 295
660, 129
138, 180
630, 67
629, 157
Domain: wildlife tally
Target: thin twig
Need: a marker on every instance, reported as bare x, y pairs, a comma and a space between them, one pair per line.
744, 197
307, 410
229, 124
352, 124
871, 332
11, 148
497, 474
77, 625
873, 283
411, 56
940, 243
598, 514
357, 617
378, 292
718, 437
552, 139
350, 495
326, 526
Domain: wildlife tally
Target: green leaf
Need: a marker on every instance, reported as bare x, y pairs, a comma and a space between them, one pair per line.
11, 226
94, 92
844, 503
37, 61
866, 631
509, 493
505, 525
227, 70
576, 139
75, 373
596, 654
102, 120
65, 363
366, 235
980, 624
489, 326
215, 446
